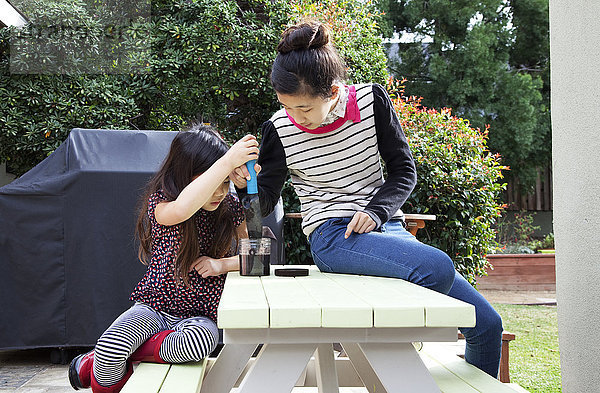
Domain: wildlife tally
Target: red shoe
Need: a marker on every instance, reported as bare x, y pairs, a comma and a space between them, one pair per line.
116, 388
80, 374
148, 351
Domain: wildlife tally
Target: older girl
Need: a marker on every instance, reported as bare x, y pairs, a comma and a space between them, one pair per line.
330, 137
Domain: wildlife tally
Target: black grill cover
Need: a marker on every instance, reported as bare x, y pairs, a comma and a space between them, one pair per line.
68, 258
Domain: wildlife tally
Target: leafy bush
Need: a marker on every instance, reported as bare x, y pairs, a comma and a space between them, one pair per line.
457, 180
356, 34
547, 242
211, 61
46, 94
191, 60
199, 60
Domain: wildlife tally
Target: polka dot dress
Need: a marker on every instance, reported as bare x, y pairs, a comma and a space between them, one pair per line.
159, 288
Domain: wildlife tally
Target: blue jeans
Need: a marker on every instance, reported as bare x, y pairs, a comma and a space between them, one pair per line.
394, 252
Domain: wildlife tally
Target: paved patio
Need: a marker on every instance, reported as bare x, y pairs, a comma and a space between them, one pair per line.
520, 297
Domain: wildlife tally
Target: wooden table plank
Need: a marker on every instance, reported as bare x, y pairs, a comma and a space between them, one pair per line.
363, 368
424, 217
147, 378
227, 367
471, 375
440, 310
277, 368
290, 304
243, 303
339, 306
447, 381
185, 378
390, 308
389, 359
326, 373
333, 335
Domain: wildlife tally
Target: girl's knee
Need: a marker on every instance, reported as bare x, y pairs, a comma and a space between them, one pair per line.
107, 352
196, 338
443, 273
488, 328
205, 342
493, 324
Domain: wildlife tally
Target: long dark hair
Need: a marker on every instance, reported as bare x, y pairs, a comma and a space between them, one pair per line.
192, 152
307, 62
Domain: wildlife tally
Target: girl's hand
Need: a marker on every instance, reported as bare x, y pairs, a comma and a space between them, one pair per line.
361, 223
207, 266
240, 175
242, 151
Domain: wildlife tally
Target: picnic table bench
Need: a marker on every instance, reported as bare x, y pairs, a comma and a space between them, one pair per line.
376, 320
166, 378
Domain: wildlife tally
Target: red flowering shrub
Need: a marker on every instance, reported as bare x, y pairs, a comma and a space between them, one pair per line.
458, 181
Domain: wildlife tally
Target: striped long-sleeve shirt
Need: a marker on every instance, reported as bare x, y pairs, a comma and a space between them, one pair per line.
338, 172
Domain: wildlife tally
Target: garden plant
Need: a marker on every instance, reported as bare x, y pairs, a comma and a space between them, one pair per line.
516, 236
458, 180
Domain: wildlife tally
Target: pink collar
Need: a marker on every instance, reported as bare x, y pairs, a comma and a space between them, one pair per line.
352, 113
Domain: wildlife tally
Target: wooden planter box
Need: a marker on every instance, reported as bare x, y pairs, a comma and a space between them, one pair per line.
520, 272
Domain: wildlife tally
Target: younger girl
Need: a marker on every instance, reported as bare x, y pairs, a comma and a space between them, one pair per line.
187, 230
330, 138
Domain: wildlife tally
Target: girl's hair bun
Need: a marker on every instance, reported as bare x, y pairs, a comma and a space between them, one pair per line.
308, 34
307, 62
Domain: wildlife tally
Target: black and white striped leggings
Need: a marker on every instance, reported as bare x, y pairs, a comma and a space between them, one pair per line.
193, 339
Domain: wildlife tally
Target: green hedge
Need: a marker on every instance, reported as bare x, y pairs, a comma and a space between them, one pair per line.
458, 180
191, 60
44, 92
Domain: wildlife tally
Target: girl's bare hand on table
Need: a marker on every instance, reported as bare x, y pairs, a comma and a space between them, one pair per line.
207, 266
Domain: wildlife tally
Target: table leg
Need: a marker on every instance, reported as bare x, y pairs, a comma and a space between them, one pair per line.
399, 367
277, 368
363, 368
327, 379
227, 368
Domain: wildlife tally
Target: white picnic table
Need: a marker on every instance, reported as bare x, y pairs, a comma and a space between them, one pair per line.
376, 320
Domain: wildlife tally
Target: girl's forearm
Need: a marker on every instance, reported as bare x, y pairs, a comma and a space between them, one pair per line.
195, 194
231, 264
201, 189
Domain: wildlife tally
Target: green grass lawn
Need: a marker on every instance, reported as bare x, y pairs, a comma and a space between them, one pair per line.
534, 358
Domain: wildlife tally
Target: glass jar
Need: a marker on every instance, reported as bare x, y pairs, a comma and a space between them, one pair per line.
255, 255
